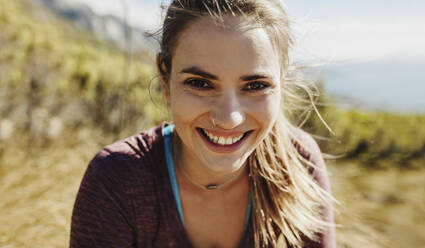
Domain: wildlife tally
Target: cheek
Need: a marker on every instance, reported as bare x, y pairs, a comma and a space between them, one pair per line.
187, 107
265, 110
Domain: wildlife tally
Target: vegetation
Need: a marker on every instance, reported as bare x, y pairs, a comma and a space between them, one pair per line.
374, 139
48, 76
63, 97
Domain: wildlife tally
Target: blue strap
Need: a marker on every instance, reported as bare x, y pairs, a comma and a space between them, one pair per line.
167, 131
171, 169
248, 214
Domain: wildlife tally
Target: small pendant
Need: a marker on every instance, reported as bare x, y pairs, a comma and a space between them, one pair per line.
211, 186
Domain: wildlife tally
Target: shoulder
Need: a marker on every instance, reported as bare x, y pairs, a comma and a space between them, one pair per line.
120, 191
308, 148
127, 158
305, 145
135, 147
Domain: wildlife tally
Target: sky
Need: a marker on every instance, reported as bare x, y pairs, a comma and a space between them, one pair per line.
327, 30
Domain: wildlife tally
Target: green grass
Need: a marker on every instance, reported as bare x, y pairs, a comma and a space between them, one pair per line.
376, 139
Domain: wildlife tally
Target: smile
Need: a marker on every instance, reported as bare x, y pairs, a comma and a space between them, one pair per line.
227, 140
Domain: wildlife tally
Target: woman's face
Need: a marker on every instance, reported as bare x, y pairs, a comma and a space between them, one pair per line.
224, 91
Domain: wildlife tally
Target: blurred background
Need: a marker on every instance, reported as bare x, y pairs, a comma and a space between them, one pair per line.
75, 75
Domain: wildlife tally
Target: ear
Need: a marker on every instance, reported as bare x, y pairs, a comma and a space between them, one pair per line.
162, 70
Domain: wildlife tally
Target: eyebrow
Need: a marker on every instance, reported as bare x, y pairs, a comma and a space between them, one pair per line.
253, 77
198, 71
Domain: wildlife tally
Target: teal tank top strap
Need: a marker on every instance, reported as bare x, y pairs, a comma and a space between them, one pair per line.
167, 131
248, 215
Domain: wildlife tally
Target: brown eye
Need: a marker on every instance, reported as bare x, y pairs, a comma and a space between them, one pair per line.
256, 86
199, 84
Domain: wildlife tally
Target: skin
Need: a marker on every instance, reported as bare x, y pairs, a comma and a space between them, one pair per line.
225, 80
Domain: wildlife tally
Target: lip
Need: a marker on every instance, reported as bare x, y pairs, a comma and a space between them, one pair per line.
224, 148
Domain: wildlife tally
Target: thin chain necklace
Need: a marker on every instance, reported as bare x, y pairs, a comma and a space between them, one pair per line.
209, 186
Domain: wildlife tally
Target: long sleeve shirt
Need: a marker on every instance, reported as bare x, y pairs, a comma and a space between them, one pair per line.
126, 200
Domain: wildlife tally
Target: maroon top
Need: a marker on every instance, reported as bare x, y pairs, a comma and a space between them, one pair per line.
125, 199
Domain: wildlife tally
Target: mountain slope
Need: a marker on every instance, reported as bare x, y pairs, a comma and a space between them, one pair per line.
50, 70
108, 28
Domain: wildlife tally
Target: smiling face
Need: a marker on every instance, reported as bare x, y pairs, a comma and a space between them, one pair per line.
224, 91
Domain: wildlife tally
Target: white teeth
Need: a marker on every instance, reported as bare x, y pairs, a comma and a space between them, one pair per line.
222, 140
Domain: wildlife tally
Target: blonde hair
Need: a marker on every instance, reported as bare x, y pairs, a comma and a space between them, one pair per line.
285, 196
286, 199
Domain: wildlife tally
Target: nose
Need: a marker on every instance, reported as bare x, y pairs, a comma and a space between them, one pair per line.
228, 112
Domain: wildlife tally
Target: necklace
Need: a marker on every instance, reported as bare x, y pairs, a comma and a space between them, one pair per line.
209, 186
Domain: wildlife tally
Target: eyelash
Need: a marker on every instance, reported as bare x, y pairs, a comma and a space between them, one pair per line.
201, 84
259, 86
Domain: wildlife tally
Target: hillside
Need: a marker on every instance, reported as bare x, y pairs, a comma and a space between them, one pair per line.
108, 28
51, 71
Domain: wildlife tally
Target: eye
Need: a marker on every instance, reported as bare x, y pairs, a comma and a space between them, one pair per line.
256, 86
198, 84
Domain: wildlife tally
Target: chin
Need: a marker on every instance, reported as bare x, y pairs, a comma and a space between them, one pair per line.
223, 163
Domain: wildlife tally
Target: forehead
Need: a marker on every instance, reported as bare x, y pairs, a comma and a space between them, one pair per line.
236, 47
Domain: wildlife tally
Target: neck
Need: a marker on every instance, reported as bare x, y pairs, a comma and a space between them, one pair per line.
202, 177
212, 184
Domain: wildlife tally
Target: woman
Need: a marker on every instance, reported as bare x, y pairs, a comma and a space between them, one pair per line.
231, 171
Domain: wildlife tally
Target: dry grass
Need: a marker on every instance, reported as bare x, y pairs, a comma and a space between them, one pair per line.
38, 188
379, 208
